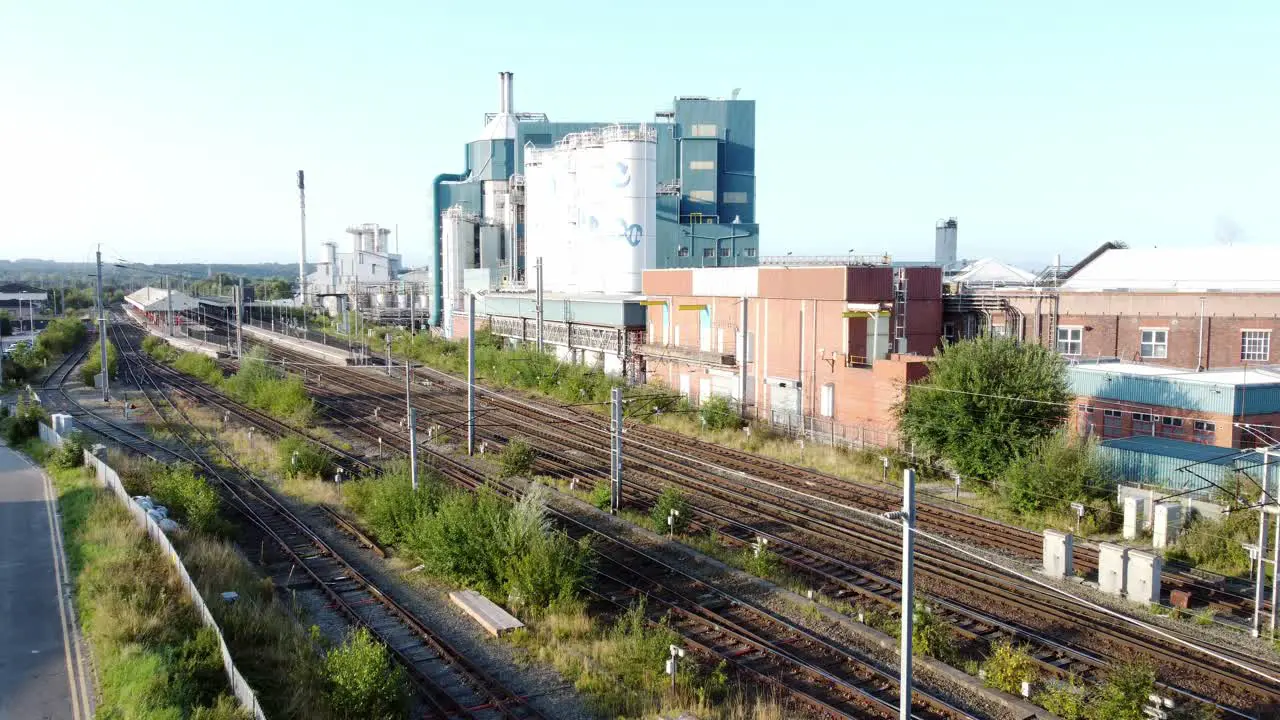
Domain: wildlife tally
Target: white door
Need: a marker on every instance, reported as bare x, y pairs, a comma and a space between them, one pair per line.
684, 385
704, 389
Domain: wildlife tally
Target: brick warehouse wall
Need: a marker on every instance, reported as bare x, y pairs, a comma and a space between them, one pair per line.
1112, 324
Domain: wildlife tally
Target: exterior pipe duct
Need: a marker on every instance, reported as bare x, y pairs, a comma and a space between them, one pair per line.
436, 265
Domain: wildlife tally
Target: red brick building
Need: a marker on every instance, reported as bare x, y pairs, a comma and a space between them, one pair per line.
1172, 343
828, 348
1198, 308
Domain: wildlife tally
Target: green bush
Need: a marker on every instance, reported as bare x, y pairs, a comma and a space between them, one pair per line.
71, 453
477, 539
1056, 471
153, 656
1008, 666
1124, 694
719, 413
299, 457
602, 494
268, 389
185, 494
363, 681
61, 335
931, 636
388, 504
201, 367
93, 364
23, 363
25, 422
1215, 545
670, 499
517, 458
158, 349
1068, 700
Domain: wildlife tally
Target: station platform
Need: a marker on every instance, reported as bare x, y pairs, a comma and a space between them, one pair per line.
327, 353
182, 342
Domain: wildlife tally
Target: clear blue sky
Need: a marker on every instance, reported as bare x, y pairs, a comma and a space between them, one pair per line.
171, 131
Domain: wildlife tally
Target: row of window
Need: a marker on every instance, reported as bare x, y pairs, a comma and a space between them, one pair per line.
1146, 422
711, 252
1255, 345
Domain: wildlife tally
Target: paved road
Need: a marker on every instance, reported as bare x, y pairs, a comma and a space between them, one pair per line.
40, 674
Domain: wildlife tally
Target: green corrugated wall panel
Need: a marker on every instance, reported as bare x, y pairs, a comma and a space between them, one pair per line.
1146, 390
588, 312
1171, 473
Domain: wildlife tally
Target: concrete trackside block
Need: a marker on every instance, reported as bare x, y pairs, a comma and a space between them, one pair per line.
1142, 582
481, 609
1057, 553
1112, 561
1166, 524
1133, 507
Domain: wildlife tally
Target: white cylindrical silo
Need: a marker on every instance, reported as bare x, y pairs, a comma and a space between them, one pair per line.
402, 301
627, 243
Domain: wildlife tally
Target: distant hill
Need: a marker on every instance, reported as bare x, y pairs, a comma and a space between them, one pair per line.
52, 271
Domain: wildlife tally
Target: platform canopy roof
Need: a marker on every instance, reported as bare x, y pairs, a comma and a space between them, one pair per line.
150, 299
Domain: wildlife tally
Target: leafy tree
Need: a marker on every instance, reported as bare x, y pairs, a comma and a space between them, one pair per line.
985, 402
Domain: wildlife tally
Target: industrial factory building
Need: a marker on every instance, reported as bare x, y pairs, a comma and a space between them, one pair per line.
599, 203
824, 349
370, 276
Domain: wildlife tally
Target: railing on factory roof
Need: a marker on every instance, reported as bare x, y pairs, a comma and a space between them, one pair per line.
820, 260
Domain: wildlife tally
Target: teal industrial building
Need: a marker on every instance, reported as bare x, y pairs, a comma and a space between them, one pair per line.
704, 186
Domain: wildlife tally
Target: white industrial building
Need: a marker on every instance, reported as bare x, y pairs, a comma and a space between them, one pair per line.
368, 275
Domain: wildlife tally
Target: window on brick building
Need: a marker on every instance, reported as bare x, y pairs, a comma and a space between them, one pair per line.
708, 252
1070, 340
828, 400
1255, 345
1155, 343
1204, 431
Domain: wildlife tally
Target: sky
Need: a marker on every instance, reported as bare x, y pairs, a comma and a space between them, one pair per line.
171, 131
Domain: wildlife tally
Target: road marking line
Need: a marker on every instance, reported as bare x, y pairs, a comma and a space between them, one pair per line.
62, 610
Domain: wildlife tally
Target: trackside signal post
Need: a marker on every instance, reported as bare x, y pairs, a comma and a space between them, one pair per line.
908, 517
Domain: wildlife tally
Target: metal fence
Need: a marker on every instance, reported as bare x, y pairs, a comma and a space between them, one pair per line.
108, 478
829, 432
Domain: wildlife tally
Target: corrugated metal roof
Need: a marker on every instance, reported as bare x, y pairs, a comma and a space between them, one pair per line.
1176, 464
1237, 391
1182, 450
990, 270
1243, 268
150, 299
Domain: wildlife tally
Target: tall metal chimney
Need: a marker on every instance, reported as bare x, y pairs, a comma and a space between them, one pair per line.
505, 105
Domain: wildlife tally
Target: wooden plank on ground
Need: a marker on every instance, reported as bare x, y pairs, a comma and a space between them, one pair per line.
483, 610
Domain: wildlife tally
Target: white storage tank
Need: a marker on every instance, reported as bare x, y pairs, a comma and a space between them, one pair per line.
591, 209
402, 301
627, 244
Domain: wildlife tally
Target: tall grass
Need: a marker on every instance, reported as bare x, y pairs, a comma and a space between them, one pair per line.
478, 539
154, 658
201, 367
265, 387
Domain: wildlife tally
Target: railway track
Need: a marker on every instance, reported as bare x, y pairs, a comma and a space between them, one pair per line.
448, 684
829, 680
935, 514
1217, 683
